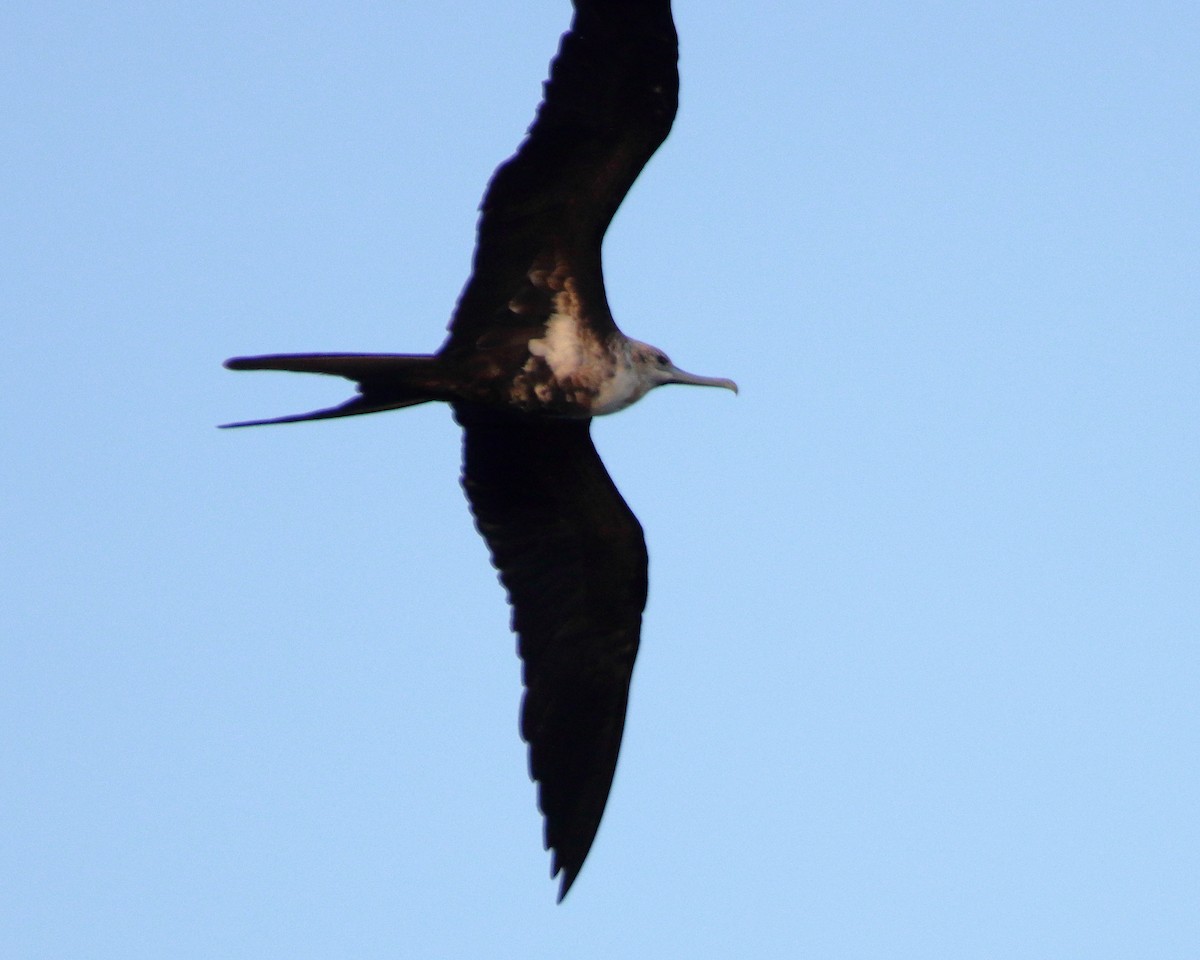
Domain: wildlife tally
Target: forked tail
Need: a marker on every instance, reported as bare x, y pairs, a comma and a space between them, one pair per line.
386, 381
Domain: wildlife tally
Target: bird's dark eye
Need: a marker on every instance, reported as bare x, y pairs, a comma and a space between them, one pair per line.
662, 360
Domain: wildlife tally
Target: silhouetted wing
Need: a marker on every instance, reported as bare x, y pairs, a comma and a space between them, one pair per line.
610, 101
572, 557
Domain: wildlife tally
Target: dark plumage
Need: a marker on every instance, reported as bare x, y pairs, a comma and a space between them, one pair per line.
534, 353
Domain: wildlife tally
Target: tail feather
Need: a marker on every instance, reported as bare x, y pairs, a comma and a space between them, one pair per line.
386, 381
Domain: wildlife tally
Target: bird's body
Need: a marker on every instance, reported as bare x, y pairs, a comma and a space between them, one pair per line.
532, 355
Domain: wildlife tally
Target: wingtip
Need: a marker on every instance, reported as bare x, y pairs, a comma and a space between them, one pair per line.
568, 878
565, 873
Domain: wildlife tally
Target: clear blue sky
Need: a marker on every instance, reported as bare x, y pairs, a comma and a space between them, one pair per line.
919, 674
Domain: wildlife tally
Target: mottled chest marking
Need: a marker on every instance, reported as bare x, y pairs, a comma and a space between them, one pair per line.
571, 371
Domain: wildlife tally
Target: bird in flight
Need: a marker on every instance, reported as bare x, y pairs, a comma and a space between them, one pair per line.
533, 353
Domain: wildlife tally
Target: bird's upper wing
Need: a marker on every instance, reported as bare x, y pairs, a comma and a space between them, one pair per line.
571, 554
610, 101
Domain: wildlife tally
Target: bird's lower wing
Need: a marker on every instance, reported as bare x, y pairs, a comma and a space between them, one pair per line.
572, 557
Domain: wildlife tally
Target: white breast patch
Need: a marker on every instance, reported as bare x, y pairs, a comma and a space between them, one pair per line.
562, 347
581, 364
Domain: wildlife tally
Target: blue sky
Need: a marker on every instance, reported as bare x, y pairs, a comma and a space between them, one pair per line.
919, 670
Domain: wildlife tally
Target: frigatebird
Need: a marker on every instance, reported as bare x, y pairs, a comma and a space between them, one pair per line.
532, 355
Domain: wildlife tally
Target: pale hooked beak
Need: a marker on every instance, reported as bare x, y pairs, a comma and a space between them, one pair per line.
675, 375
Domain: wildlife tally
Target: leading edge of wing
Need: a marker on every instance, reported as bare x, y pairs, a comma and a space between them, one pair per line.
573, 559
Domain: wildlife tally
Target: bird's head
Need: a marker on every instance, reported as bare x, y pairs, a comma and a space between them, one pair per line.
654, 368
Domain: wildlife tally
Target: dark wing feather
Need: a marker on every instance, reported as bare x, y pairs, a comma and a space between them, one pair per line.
572, 557
610, 101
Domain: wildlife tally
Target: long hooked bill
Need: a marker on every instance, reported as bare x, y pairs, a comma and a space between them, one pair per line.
682, 376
